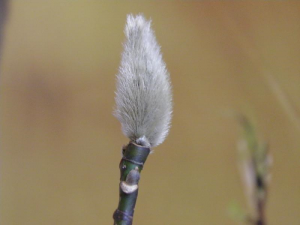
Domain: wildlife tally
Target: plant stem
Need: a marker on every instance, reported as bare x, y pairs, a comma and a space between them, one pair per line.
134, 157
261, 193
261, 213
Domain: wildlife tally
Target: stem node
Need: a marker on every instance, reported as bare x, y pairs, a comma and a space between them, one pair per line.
131, 165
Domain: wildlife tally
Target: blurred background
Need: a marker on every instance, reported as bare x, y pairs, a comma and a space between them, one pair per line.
61, 145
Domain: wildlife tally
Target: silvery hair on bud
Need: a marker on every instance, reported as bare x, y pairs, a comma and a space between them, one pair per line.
143, 96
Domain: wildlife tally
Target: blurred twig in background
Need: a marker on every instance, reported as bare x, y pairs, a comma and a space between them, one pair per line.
255, 55
3, 15
283, 99
254, 165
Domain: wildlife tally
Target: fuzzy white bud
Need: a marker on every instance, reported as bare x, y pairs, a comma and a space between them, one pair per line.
143, 96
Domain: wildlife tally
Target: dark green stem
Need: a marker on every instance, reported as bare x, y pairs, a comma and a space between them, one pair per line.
134, 157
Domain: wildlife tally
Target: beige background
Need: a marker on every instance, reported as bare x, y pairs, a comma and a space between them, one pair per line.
60, 144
